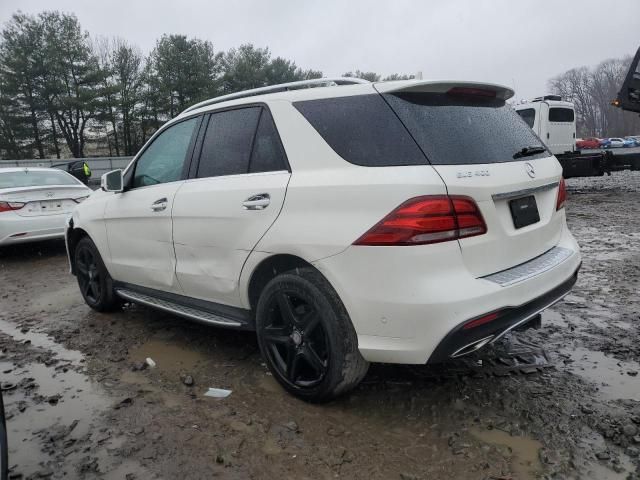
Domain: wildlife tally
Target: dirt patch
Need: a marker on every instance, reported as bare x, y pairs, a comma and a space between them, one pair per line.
82, 402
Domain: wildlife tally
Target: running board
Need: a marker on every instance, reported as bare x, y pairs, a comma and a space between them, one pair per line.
177, 309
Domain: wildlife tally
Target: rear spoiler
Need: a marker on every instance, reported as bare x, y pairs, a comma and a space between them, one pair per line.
446, 86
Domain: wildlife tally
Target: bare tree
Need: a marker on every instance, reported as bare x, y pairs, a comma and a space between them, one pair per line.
591, 90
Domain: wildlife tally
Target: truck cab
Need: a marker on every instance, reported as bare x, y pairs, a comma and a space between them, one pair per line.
553, 120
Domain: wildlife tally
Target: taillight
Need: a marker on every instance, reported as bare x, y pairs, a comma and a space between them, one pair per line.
562, 194
8, 206
471, 91
80, 199
428, 219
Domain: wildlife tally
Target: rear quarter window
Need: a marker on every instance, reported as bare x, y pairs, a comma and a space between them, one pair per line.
363, 130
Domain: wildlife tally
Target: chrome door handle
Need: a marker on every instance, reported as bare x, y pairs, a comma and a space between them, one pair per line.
257, 202
159, 205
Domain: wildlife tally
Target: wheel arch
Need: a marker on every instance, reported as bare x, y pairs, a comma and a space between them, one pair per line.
267, 269
74, 235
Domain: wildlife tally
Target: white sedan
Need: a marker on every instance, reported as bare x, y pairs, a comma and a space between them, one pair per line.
35, 203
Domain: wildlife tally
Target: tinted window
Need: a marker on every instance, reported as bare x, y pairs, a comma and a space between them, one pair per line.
455, 130
560, 114
35, 178
363, 130
227, 143
268, 154
163, 160
528, 115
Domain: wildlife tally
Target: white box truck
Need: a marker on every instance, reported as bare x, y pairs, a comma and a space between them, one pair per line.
554, 121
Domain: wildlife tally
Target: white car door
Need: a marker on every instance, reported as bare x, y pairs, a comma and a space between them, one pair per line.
237, 193
138, 220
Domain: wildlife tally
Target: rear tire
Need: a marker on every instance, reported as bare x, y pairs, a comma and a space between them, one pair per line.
306, 337
96, 285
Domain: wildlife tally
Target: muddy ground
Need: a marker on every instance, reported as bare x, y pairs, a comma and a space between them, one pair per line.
560, 402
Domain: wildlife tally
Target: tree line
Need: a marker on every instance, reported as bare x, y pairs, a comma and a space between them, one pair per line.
592, 90
65, 93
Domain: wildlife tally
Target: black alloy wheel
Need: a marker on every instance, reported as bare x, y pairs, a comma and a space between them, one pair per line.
88, 274
306, 336
94, 280
296, 340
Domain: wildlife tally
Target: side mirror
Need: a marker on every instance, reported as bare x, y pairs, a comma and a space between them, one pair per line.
112, 181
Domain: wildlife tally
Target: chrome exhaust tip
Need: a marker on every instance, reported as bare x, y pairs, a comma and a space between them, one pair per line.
472, 347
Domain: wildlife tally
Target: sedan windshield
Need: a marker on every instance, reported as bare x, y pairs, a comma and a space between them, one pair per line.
35, 178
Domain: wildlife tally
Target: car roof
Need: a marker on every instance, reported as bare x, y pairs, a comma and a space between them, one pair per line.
303, 94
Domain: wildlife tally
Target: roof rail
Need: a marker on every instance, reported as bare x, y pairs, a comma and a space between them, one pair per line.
282, 87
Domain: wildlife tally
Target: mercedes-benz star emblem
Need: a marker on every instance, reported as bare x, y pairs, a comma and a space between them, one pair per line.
530, 170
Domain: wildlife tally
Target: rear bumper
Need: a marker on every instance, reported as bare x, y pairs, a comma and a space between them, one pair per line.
16, 229
461, 342
405, 302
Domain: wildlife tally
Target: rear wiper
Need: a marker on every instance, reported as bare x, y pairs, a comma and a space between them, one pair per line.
528, 151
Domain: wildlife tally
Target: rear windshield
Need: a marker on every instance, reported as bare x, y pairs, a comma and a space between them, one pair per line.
455, 130
560, 114
31, 178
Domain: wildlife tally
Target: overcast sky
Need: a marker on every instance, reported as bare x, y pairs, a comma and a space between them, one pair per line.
520, 43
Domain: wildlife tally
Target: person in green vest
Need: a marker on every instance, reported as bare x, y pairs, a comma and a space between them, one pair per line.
87, 170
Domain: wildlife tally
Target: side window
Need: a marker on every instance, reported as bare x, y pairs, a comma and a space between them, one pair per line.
561, 115
528, 115
226, 148
363, 130
268, 154
163, 160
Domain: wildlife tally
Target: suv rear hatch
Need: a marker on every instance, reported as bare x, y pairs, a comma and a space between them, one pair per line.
482, 149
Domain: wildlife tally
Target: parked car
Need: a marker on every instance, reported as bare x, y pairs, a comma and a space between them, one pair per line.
634, 141
35, 203
77, 168
614, 142
588, 143
359, 222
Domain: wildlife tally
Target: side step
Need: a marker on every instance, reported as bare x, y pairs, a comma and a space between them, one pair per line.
177, 309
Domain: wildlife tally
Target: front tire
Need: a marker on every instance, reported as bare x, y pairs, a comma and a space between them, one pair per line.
306, 337
94, 280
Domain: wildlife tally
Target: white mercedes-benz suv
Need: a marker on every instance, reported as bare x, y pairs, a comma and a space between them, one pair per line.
399, 222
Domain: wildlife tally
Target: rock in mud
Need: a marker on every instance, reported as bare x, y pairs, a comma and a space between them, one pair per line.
291, 425
187, 380
630, 430
138, 366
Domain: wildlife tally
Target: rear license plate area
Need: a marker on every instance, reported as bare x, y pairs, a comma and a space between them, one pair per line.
524, 211
50, 206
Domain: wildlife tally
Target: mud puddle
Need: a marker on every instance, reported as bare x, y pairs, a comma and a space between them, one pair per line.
609, 374
594, 470
53, 411
525, 460
168, 356
43, 341
48, 414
